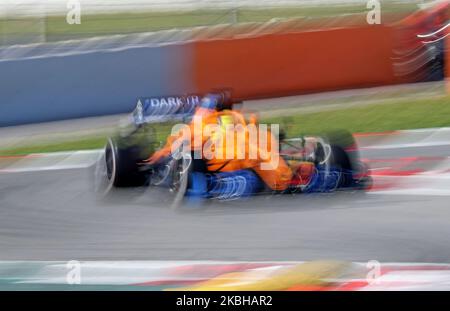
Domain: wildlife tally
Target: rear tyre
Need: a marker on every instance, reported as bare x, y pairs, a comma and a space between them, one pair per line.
117, 167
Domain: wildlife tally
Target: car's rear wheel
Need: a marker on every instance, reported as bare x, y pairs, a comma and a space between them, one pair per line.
117, 167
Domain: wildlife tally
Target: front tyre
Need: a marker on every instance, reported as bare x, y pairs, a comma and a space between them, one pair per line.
180, 170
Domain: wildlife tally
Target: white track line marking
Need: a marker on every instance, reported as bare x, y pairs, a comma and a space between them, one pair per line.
53, 161
413, 191
407, 145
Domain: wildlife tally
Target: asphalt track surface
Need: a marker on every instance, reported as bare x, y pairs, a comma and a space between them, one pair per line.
54, 215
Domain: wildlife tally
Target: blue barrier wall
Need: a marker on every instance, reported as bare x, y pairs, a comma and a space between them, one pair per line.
98, 83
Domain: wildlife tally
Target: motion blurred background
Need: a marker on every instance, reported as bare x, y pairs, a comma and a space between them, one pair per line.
53, 68
377, 69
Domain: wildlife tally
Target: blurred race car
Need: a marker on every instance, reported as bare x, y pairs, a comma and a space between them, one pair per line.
196, 163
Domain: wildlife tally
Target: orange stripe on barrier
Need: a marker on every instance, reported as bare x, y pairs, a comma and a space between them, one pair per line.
292, 63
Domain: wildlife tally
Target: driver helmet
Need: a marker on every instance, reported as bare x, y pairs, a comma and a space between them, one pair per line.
216, 101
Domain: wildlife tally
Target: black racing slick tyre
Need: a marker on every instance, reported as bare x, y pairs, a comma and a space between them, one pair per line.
117, 167
180, 171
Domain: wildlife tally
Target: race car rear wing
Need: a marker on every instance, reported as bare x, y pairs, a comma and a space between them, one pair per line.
165, 108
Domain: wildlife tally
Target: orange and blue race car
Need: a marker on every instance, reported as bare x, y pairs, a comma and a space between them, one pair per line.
202, 148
